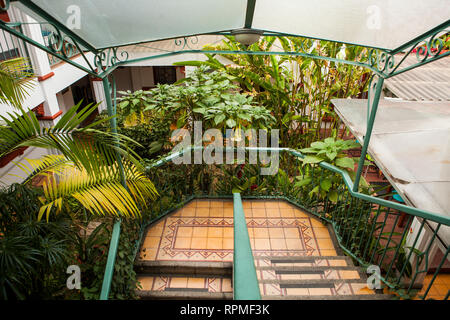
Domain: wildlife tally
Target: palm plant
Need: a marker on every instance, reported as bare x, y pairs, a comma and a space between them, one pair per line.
88, 169
14, 81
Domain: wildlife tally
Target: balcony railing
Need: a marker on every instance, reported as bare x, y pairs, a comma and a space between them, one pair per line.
63, 47
12, 47
367, 227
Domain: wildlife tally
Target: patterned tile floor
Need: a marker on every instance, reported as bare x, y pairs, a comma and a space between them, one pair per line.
439, 289
162, 283
203, 231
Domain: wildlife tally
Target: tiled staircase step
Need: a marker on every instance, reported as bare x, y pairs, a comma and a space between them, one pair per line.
307, 261
331, 297
296, 269
311, 283
184, 294
304, 258
203, 268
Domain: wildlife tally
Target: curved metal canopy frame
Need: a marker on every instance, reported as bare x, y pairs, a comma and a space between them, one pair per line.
427, 47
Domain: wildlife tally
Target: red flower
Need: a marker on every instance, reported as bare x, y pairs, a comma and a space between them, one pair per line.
253, 187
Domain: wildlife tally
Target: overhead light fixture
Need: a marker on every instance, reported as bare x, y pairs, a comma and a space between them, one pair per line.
246, 36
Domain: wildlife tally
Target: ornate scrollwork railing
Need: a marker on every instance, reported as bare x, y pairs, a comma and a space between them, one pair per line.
425, 50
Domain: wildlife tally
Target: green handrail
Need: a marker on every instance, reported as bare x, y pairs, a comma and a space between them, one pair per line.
354, 212
245, 281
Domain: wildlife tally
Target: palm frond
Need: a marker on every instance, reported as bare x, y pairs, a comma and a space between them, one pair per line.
101, 194
49, 164
76, 143
15, 81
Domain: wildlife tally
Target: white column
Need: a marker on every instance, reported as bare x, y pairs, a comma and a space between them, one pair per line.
40, 63
99, 93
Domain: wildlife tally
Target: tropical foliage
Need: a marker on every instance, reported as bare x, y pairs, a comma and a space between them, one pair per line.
297, 90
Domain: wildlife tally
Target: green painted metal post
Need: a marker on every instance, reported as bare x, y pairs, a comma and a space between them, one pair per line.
109, 270
373, 112
245, 281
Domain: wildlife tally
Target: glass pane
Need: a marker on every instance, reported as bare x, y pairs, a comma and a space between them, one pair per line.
382, 24
106, 23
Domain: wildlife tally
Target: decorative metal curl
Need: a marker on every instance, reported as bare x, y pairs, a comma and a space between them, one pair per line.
186, 42
108, 58
427, 49
5, 5
60, 43
381, 60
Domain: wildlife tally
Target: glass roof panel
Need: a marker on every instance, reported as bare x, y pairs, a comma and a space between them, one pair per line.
384, 24
107, 23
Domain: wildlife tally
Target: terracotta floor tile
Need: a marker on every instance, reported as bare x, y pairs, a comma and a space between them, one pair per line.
261, 244
311, 276
349, 274
325, 244
258, 212
248, 213
192, 204
441, 289
194, 283
146, 282
260, 233
291, 233
297, 291
328, 252
203, 203
200, 232
300, 214
215, 232
228, 243
148, 253
320, 291
273, 213
337, 263
177, 213
361, 288
285, 205
216, 212
228, 204
246, 204
294, 244
182, 243
216, 204
178, 282
188, 212
278, 244
287, 213
228, 232
202, 212
214, 244
276, 233
258, 204
226, 285
151, 242
317, 223
184, 232
199, 243
271, 204
228, 212
321, 233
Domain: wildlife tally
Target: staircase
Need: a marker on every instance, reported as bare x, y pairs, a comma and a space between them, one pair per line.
313, 278
184, 280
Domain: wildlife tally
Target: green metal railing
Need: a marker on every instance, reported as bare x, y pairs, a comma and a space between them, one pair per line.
245, 281
63, 46
367, 227
12, 47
